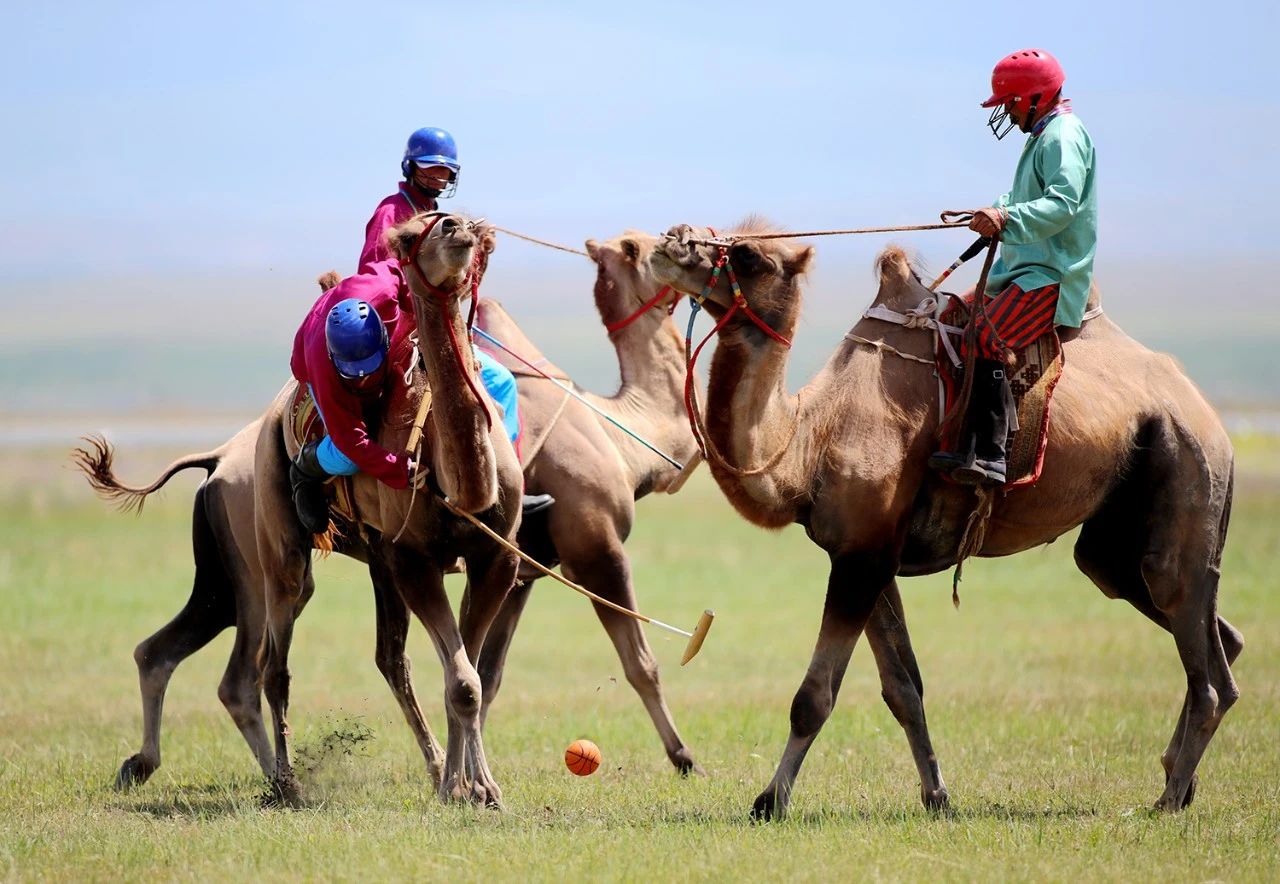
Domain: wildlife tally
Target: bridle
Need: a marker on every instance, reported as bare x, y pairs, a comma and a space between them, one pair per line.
470, 280
705, 445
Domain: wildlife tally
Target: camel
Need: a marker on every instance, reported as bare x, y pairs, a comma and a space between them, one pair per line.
227, 587
1135, 456
473, 466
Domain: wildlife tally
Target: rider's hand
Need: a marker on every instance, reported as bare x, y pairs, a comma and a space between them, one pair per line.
987, 222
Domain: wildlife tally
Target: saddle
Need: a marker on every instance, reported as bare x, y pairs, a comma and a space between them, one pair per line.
303, 423
1032, 379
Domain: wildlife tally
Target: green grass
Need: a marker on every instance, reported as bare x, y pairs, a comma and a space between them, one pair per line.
1049, 706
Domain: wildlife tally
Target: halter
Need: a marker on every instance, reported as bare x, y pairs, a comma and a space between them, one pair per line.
612, 327
700, 435
470, 280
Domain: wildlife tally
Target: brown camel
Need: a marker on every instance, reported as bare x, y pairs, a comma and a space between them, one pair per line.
227, 589
473, 466
1135, 456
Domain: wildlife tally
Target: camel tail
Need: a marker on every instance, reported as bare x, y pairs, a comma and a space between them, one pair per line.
95, 461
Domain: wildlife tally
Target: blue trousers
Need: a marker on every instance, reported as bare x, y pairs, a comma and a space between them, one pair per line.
497, 379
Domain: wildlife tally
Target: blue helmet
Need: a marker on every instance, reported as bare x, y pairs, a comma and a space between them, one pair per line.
356, 338
431, 147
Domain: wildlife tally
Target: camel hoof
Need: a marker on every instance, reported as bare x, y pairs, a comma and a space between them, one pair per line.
685, 765
935, 800
1191, 791
767, 807
135, 771
283, 792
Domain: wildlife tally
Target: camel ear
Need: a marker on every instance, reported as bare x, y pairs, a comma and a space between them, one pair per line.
593, 250
798, 263
631, 250
399, 239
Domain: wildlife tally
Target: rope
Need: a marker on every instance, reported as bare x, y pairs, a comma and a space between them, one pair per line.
975, 534
599, 600
542, 374
542, 242
945, 225
532, 451
881, 345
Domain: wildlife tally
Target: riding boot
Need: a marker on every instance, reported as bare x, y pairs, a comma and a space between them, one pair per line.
990, 411
535, 503
307, 478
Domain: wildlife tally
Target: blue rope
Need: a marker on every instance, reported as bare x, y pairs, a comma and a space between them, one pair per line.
671, 460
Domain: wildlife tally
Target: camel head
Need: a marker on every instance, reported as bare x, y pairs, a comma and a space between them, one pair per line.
443, 249
768, 271
625, 282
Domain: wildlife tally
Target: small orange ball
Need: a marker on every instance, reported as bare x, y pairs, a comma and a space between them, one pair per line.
582, 757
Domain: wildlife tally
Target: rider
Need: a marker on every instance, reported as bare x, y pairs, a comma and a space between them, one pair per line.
1048, 227
340, 353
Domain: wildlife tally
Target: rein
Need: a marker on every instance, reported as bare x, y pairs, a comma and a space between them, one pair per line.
700, 435
612, 327
472, 281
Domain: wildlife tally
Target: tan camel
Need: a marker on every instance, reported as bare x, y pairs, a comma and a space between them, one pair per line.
1135, 455
570, 441
471, 463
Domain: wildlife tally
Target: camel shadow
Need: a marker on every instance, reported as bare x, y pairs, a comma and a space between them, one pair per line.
982, 811
198, 801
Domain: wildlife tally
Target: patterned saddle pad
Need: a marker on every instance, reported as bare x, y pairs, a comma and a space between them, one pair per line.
302, 425
1032, 381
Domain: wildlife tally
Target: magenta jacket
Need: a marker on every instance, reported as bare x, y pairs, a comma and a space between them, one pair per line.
382, 285
400, 206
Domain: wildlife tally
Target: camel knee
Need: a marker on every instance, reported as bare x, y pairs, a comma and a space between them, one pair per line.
240, 698
810, 709
641, 671
464, 696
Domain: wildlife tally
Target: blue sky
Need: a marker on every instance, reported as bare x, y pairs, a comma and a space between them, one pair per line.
232, 137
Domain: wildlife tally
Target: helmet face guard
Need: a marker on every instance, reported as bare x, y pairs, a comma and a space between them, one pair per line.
431, 147
1027, 75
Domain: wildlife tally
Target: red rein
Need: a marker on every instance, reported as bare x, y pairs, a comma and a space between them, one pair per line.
739, 303
648, 305
472, 280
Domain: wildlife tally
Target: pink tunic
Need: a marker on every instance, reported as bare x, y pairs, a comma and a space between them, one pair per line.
400, 206
382, 285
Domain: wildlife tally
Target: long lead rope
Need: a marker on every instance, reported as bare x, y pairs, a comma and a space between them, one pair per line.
504, 348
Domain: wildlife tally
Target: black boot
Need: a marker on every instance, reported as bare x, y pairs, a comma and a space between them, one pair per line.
307, 478
535, 503
990, 412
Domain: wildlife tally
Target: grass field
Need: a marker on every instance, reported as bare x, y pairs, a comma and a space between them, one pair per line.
1049, 706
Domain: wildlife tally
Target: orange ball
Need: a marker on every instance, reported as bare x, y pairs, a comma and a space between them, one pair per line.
582, 757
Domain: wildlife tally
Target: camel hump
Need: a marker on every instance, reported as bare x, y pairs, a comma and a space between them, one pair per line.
893, 266
328, 279
492, 317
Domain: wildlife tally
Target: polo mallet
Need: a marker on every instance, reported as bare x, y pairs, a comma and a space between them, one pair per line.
972, 252
696, 638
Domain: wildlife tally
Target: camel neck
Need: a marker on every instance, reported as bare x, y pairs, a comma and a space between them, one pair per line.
649, 401
750, 417
462, 448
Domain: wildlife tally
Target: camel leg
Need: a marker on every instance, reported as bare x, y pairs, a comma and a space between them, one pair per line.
853, 589
210, 609
393, 662
491, 573
421, 584
606, 572
1150, 545
286, 593
903, 690
493, 657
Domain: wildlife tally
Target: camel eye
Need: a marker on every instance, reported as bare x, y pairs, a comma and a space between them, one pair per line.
746, 258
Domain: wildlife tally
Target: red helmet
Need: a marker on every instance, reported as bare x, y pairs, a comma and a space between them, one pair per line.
1023, 75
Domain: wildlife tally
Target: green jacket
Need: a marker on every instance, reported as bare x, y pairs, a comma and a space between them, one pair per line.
1051, 230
